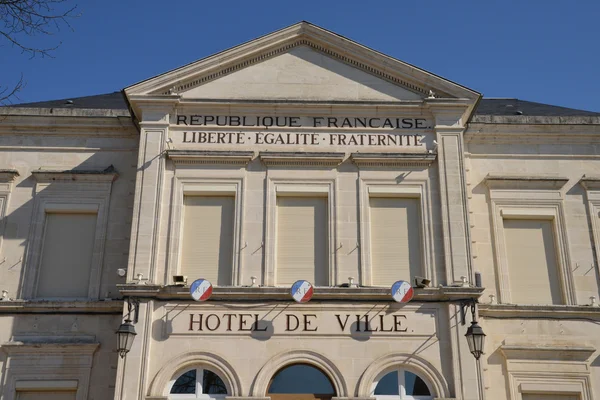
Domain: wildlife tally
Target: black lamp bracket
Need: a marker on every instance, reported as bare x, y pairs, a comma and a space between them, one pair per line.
463, 310
133, 304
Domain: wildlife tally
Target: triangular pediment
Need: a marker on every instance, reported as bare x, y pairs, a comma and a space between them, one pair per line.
300, 63
301, 73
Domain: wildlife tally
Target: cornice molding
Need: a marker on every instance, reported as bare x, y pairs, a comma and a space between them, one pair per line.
237, 158
8, 175
590, 182
393, 159
496, 181
48, 176
306, 159
566, 352
244, 293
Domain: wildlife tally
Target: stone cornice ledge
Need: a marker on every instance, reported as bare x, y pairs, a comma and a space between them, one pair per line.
48, 306
517, 311
562, 352
37, 347
8, 175
515, 181
440, 294
287, 159
240, 158
393, 159
48, 175
590, 182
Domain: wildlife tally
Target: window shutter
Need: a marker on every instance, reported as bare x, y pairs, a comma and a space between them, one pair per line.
302, 240
46, 395
395, 240
207, 250
67, 255
532, 262
549, 396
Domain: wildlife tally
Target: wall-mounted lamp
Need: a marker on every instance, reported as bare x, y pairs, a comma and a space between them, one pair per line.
126, 332
475, 335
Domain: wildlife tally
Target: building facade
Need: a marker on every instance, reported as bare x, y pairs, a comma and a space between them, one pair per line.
300, 155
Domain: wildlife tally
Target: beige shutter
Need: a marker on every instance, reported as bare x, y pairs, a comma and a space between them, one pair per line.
536, 396
66, 255
46, 395
302, 240
395, 240
207, 250
532, 265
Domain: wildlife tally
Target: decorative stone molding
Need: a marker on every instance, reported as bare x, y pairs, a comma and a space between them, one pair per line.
182, 362
495, 181
8, 175
565, 352
68, 191
590, 182
393, 159
293, 159
411, 362
444, 293
564, 369
266, 373
538, 311
41, 307
47, 175
236, 158
49, 359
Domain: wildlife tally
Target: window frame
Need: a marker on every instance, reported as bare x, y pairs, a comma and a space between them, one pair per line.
529, 198
401, 386
67, 193
411, 189
199, 380
300, 188
197, 186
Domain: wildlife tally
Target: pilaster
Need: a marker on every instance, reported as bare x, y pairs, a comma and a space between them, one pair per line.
149, 185
449, 129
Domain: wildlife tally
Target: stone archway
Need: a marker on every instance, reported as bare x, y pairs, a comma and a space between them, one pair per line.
279, 362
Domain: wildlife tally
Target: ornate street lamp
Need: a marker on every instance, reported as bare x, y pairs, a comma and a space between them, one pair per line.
126, 332
125, 335
475, 339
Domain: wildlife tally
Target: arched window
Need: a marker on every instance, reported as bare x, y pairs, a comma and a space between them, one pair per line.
198, 383
401, 384
300, 379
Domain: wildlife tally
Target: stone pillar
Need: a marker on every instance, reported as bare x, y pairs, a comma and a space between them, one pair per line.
145, 224
449, 129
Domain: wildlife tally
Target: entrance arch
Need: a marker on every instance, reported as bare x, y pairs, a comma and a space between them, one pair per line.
264, 377
299, 382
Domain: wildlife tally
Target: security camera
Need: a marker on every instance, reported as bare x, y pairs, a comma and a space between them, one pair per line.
121, 272
421, 282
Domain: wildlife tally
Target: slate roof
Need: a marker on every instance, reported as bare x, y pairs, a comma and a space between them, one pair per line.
491, 106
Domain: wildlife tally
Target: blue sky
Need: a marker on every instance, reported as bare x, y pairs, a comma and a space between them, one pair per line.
546, 51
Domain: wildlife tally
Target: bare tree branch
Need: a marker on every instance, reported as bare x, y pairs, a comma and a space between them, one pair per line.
21, 20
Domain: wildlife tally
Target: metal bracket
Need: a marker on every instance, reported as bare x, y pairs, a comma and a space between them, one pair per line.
463, 312
133, 304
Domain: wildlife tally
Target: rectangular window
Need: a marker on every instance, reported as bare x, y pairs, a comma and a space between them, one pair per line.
532, 265
68, 245
207, 250
46, 395
395, 239
302, 240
